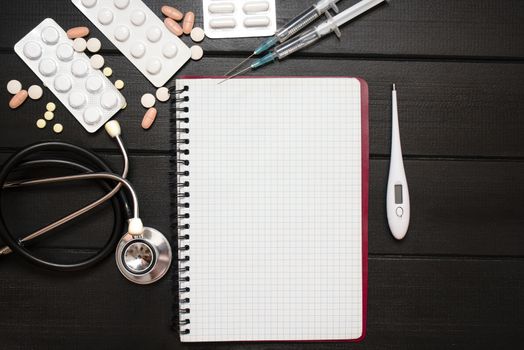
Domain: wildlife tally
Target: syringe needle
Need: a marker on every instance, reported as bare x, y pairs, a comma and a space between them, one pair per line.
236, 74
238, 65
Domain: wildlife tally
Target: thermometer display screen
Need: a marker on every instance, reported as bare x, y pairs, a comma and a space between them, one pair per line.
398, 194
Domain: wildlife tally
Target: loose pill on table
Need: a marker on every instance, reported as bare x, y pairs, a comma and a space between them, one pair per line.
189, 22
77, 32
48, 115
35, 92
18, 99
41, 123
162, 94
197, 34
14, 86
51, 107
119, 84
220, 23
97, 61
257, 21
58, 128
149, 118
107, 71
196, 52
172, 12
124, 105
173, 27
79, 44
255, 7
222, 7
148, 100
93, 45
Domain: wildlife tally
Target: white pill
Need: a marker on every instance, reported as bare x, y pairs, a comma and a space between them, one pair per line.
138, 50
14, 86
255, 7
97, 61
169, 50
148, 100
89, 3
222, 7
258, 21
62, 83
35, 92
92, 115
219, 23
105, 16
79, 44
65, 52
77, 99
162, 94
50, 36
93, 84
197, 34
47, 67
154, 34
109, 100
32, 50
58, 128
122, 33
154, 66
79, 68
41, 123
121, 4
196, 52
138, 18
94, 45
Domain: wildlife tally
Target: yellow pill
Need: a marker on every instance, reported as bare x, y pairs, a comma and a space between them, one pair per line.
119, 84
107, 71
124, 105
58, 128
49, 115
41, 123
50, 107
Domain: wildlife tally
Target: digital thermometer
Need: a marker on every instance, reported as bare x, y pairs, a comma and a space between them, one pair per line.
397, 197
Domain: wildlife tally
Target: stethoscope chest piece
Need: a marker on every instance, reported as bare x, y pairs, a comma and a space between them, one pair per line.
144, 259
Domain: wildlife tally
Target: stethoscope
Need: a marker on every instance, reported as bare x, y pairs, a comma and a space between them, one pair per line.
143, 254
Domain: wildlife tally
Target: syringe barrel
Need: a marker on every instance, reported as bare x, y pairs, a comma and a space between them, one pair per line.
297, 24
304, 40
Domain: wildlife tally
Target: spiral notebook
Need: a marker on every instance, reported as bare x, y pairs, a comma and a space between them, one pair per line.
271, 198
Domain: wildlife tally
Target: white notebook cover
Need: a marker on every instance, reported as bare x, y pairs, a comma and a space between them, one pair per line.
278, 183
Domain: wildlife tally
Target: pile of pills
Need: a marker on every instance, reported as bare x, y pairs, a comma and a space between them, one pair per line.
14, 87
49, 115
148, 101
188, 21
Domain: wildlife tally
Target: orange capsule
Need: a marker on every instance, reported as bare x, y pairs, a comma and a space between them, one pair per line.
77, 32
149, 118
18, 99
173, 27
172, 12
189, 22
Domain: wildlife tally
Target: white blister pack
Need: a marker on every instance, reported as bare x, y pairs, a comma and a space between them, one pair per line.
140, 35
239, 18
84, 91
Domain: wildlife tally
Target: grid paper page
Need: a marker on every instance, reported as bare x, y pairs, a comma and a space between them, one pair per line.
276, 229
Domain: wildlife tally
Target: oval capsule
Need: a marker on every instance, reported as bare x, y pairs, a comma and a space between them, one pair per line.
222, 7
189, 22
173, 26
172, 13
18, 99
259, 21
149, 118
255, 7
77, 32
219, 23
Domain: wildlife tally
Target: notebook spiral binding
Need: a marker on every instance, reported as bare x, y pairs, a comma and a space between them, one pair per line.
181, 203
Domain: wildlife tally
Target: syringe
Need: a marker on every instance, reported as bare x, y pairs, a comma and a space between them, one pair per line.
292, 27
313, 35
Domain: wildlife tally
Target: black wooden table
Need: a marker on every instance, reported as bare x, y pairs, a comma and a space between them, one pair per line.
457, 279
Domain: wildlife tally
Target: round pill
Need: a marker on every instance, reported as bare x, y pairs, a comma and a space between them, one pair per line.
107, 71
197, 34
51, 107
172, 12
93, 45
17, 100
173, 26
93, 84
79, 68
14, 86
50, 35
48, 115
92, 115
149, 118
32, 50
58, 128
97, 61
189, 21
77, 32
62, 83
121, 33
196, 52
89, 3
47, 67
124, 104
41, 123
162, 94
138, 50
35, 92
119, 84
138, 18
148, 100
65, 52
109, 100
79, 44
77, 99
154, 66
154, 34
105, 16
121, 4
169, 50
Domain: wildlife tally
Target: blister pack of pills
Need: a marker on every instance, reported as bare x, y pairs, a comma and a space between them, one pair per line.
140, 35
86, 92
239, 18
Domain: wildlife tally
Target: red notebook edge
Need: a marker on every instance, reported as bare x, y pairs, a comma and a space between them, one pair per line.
364, 100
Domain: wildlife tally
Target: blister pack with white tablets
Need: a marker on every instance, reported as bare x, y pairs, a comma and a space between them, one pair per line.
140, 35
239, 18
86, 92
